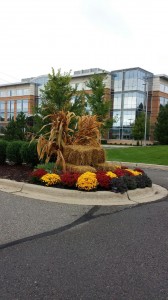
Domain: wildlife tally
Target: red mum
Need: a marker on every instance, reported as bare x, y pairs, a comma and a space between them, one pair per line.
38, 173
103, 180
69, 179
119, 172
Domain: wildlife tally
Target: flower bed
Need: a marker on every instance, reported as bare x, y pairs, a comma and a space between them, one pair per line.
118, 181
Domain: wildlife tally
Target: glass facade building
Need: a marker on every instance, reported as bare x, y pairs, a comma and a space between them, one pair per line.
129, 89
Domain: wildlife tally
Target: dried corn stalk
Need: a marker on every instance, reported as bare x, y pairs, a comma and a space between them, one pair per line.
53, 141
88, 132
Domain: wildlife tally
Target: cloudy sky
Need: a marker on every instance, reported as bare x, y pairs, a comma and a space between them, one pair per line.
37, 35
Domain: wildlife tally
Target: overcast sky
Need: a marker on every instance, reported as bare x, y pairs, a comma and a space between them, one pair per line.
37, 35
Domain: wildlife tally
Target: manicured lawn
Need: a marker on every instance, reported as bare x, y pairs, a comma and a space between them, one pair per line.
149, 154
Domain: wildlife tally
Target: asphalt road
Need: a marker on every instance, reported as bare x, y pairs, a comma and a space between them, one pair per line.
108, 253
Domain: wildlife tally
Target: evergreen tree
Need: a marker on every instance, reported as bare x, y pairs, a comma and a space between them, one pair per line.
138, 128
161, 127
15, 130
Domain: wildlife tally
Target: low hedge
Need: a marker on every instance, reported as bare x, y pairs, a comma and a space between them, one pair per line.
13, 153
29, 153
3, 146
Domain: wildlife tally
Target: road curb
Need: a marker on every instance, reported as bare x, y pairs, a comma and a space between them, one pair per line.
104, 198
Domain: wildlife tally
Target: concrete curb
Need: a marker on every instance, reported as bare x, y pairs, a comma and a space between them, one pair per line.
104, 198
140, 165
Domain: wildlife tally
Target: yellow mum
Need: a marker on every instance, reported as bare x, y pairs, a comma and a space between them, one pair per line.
135, 173
111, 174
87, 181
51, 179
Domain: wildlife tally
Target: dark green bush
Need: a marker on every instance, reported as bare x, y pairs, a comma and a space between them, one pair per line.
13, 152
29, 153
3, 145
130, 182
118, 185
143, 181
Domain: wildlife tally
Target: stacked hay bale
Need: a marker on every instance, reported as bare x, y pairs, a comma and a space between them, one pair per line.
80, 159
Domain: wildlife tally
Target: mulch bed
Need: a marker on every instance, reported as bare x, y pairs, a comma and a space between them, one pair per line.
15, 172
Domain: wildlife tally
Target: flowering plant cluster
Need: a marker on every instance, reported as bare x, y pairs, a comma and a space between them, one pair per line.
51, 179
87, 181
120, 180
69, 179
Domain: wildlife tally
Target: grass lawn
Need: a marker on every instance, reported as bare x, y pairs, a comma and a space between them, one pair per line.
150, 154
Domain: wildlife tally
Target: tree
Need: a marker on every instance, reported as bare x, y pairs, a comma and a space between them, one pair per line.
58, 94
161, 127
98, 101
138, 128
15, 130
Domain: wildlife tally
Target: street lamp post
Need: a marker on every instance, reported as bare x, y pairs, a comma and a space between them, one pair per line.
146, 111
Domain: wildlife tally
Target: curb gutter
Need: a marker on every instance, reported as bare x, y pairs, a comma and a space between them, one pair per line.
104, 198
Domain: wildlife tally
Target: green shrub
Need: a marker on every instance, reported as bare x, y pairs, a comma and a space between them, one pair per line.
130, 182
13, 152
49, 167
29, 153
118, 185
3, 145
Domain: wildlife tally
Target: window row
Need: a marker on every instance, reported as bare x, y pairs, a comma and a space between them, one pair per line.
129, 84
130, 101
125, 118
12, 107
18, 92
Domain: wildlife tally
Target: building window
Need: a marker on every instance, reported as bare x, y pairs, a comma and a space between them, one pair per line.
10, 110
22, 105
26, 92
163, 101
130, 100
117, 101
128, 117
2, 111
19, 92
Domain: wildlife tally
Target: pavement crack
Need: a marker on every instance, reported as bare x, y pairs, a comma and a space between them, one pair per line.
85, 218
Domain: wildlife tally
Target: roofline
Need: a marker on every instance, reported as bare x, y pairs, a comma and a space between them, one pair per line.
134, 68
163, 76
15, 83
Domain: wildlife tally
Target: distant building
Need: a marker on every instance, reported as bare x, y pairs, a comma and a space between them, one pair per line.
130, 90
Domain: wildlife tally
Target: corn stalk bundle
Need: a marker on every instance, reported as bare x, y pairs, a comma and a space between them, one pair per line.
52, 142
88, 132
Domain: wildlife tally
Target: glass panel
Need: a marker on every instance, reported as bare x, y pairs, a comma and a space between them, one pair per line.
130, 100
19, 92
26, 92
25, 106
19, 106
128, 118
12, 106
117, 118
10, 116
2, 116
117, 101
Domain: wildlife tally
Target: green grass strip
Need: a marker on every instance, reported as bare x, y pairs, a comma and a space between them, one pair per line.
150, 154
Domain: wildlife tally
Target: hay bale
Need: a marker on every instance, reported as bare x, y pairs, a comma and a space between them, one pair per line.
83, 155
106, 167
79, 169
